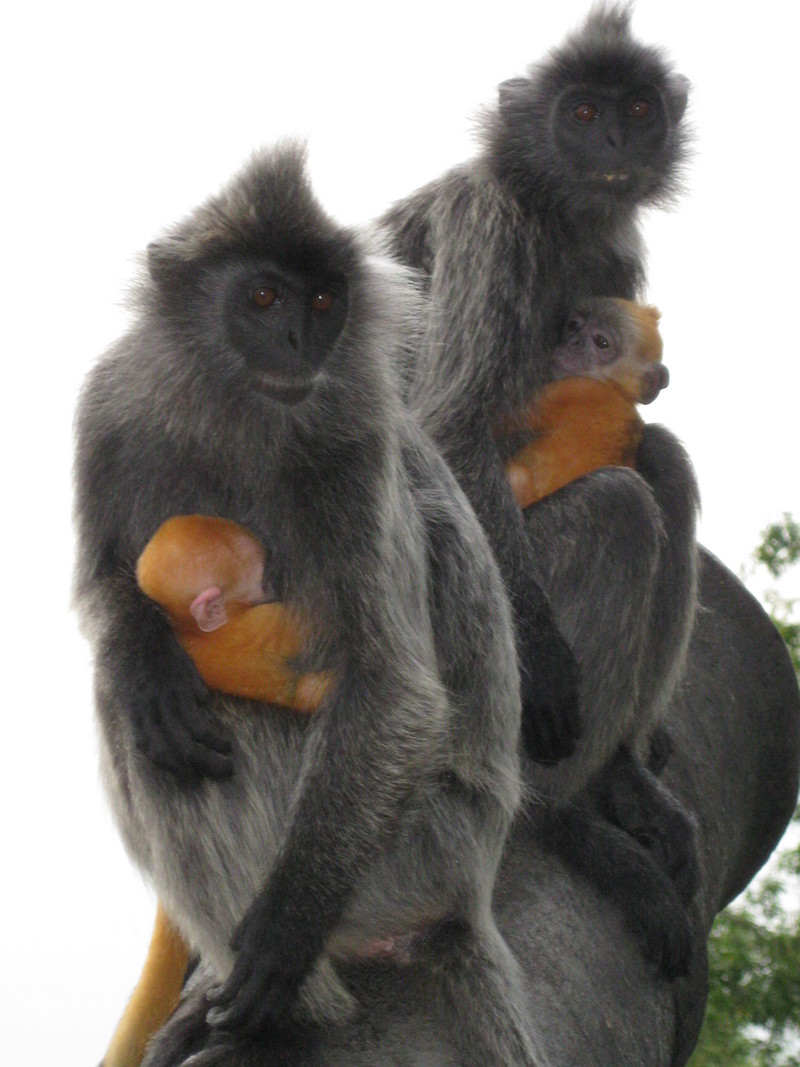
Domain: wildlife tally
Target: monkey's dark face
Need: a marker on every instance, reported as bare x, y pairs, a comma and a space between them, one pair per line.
611, 140
283, 325
588, 344
597, 127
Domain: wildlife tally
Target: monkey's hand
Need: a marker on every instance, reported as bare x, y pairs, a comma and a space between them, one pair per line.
266, 977
549, 678
172, 727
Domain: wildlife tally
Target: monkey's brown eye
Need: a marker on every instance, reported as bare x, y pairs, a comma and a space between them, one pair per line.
264, 296
585, 112
600, 341
322, 301
638, 109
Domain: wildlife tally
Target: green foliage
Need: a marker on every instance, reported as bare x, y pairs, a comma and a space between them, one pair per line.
753, 1012
780, 545
779, 549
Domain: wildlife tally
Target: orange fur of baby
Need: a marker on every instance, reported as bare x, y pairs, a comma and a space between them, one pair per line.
249, 655
582, 424
155, 998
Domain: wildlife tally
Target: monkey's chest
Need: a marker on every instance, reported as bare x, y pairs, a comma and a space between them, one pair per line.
212, 847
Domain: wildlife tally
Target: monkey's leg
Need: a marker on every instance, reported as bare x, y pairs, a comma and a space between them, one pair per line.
665, 467
616, 554
155, 997
597, 546
436, 875
600, 547
482, 990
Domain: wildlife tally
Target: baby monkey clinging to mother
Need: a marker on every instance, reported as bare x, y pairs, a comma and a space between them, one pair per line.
609, 359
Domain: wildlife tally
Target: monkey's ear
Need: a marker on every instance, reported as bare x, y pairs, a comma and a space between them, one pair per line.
168, 259
654, 379
511, 92
677, 90
208, 609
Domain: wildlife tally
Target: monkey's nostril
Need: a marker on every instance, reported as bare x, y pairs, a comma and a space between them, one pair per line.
292, 339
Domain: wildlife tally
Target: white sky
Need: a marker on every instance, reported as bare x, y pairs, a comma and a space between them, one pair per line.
117, 120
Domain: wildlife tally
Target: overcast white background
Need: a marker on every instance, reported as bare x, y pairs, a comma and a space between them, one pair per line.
119, 119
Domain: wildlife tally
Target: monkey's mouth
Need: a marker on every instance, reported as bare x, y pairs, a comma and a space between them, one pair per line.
284, 390
612, 177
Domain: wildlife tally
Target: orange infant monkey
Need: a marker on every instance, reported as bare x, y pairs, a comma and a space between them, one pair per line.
208, 575
607, 362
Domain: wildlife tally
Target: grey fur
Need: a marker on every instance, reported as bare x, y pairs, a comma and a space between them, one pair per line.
735, 724
509, 243
386, 811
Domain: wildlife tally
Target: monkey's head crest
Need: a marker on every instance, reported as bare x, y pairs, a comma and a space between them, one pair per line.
268, 208
597, 126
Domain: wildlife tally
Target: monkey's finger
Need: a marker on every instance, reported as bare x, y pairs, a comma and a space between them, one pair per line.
185, 755
157, 746
543, 737
200, 690
214, 740
213, 1056
255, 997
233, 1015
254, 1011
198, 725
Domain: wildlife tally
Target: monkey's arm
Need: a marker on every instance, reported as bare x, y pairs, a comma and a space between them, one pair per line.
146, 679
548, 670
377, 740
474, 357
581, 425
155, 997
153, 683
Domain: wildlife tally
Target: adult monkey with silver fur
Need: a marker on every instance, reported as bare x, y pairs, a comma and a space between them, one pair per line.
544, 217
258, 385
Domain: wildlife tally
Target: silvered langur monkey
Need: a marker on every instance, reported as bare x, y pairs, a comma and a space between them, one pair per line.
546, 216
258, 384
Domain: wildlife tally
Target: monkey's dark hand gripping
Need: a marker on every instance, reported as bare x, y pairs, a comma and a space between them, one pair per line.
166, 698
549, 679
266, 977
